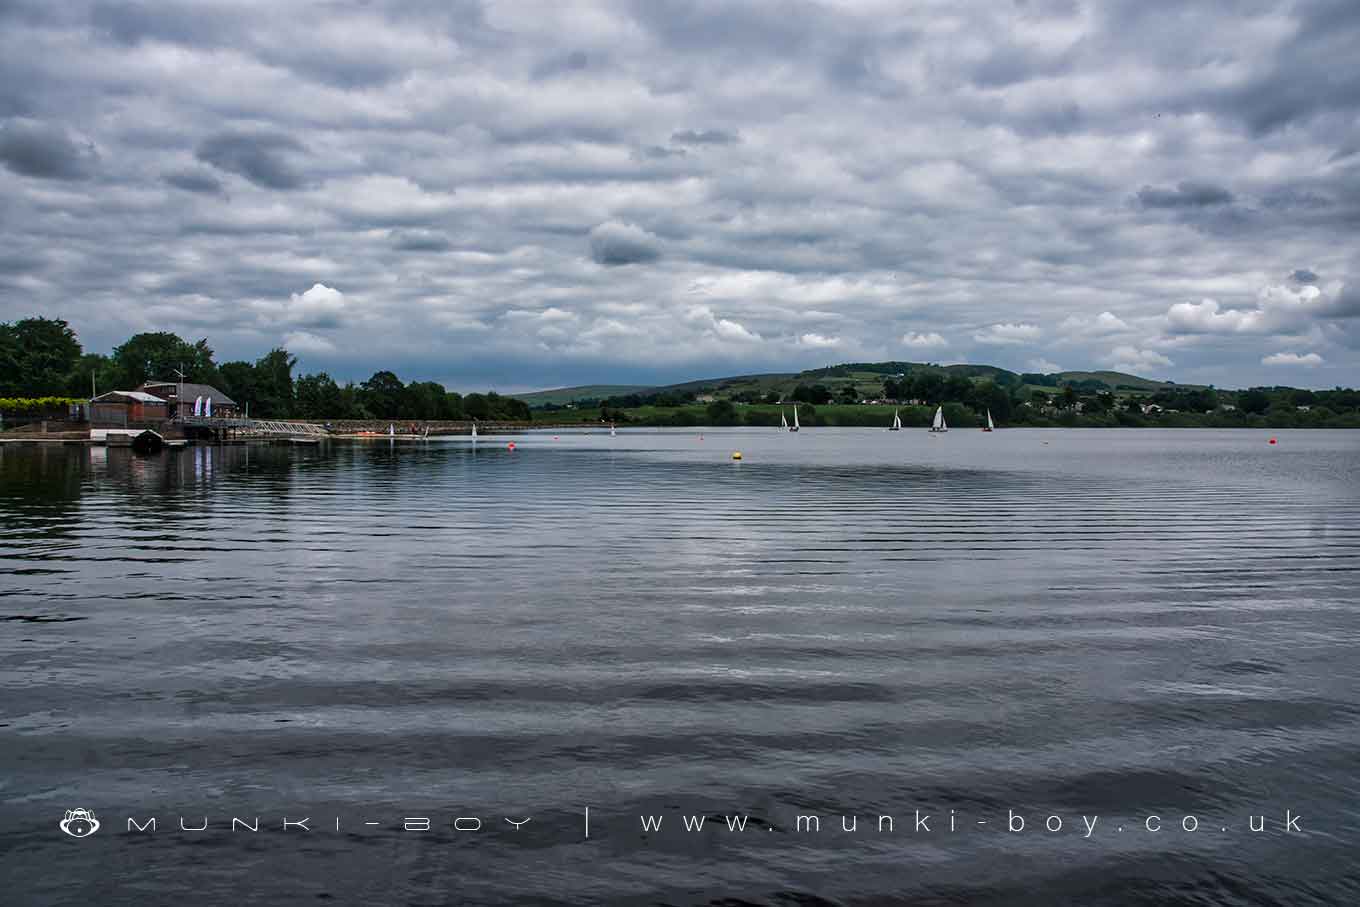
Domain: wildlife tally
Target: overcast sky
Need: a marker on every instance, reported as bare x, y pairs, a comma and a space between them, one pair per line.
532, 194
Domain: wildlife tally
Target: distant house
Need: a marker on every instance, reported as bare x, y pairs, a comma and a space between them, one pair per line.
1304, 409
169, 391
704, 398
1150, 408
1228, 408
123, 408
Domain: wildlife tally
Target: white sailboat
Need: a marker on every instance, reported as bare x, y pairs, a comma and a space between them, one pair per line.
783, 421
391, 430
474, 429
939, 424
612, 433
897, 422
795, 420
990, 424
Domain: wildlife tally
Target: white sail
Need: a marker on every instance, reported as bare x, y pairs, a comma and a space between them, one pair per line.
474, 429
795, 418
897, 420
939, 424
391, 430
990, 424
611, 430
783, 421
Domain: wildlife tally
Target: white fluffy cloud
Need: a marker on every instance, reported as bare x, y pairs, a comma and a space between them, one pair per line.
1008, 334
923, 341
1081, 326
319, 307
306, 343
721, 328
1043, 366
1277, 308
1133, 359
819, 340
1306, 359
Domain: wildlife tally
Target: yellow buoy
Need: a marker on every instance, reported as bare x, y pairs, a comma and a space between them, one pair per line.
736, 455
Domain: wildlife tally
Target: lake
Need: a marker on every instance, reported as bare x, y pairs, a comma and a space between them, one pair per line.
1129, 632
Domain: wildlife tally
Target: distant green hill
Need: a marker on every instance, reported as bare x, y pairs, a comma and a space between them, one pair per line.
734, 383
1122, 380
865, 377
564, 395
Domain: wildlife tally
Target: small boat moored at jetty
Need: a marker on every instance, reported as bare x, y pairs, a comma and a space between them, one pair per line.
939, 424
148, 442
897, 422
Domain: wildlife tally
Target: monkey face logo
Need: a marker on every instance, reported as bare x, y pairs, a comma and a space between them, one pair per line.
79, 823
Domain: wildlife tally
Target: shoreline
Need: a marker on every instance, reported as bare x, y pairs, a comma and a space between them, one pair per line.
64, 439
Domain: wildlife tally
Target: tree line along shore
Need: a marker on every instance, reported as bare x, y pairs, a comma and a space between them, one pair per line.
43, 367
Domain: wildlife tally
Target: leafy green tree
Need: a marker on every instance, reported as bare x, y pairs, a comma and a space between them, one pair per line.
959, 389
274, 384
382, 395
37, 356
317, 397
238, 380
1255, 401
475, 406
352, 403
991, 396
154, 356
722, 412
426, 400
928, 386
97, 371
814, 393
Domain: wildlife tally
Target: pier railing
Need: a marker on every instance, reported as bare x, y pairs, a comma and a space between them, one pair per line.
257, 426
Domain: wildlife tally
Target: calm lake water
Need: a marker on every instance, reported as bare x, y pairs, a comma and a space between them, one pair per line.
1107, 625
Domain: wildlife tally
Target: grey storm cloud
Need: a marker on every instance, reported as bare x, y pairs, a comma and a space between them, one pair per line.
44, 150
556, 65
261, 157
703, 137
1187, 194
195, 181
420, 241
624, 191
622, 244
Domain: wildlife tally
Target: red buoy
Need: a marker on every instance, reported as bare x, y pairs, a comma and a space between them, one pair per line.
511, 445
1272, 440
